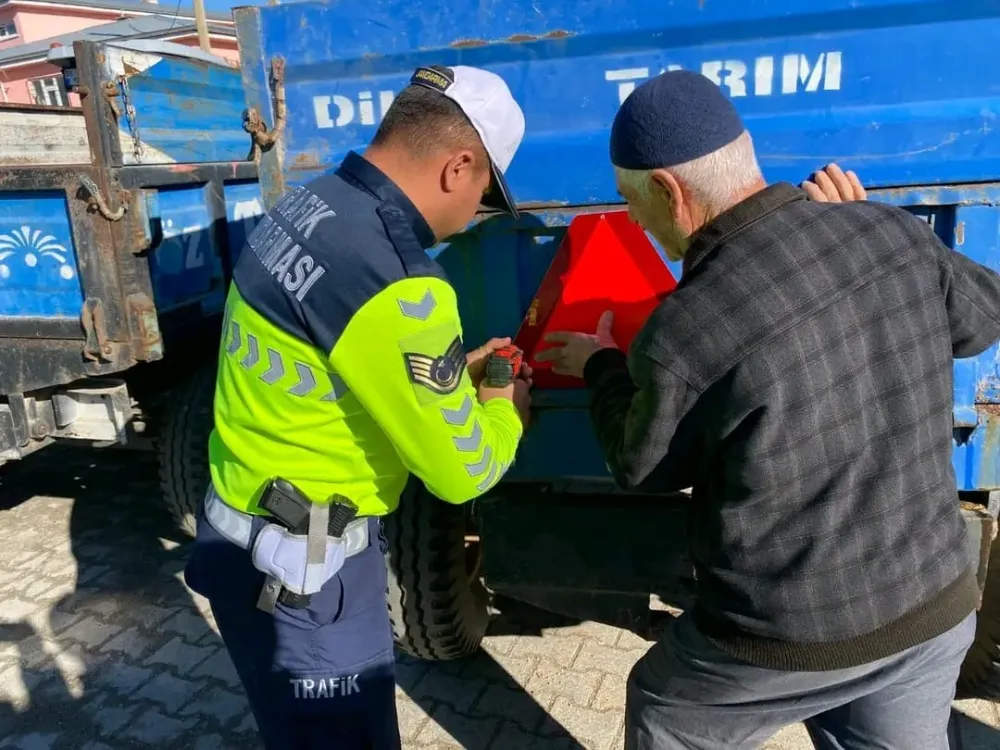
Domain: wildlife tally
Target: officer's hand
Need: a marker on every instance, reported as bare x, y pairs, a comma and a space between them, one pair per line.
832, 185
475, 361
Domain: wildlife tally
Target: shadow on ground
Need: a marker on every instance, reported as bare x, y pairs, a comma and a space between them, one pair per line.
482, 697
108, 643
102, 646
968, 733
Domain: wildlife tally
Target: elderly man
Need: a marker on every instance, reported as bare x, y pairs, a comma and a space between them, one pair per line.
799, 379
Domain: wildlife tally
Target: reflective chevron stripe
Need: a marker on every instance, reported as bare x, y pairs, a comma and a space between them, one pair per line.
275, 370
418, 310
482, 464
490, 478
307, 380
253, 352
234, 342
460, 416
471, 444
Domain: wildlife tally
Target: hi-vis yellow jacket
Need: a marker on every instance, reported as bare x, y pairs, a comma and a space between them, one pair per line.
342, 366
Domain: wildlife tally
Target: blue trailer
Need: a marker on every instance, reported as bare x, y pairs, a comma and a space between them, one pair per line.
905, 92
119, 223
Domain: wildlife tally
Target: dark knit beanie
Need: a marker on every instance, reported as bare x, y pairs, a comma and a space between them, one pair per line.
671, 119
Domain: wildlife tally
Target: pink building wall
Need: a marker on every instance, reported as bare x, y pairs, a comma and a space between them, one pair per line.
226, 47
15, 82
34, 24
6, 17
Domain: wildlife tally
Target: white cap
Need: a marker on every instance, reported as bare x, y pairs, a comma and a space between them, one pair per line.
487, 102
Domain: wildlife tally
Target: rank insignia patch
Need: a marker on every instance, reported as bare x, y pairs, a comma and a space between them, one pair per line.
440, 374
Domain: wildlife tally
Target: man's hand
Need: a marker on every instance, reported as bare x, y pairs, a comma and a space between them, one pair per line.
577, 348
832, 185
475, 361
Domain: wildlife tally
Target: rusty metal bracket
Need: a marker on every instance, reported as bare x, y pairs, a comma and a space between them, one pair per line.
96, 347
140, 234
111, 93
262, 139
147, 341
97, 203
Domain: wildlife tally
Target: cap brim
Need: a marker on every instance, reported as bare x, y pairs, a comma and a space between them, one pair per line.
499, 196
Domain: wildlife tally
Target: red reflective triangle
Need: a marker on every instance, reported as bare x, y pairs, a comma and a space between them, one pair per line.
605, 262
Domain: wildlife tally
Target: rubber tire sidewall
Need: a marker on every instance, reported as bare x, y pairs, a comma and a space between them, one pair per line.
187, 421
437, 612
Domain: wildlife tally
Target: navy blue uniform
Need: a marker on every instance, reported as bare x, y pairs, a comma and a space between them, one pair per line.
342, 370
321, 677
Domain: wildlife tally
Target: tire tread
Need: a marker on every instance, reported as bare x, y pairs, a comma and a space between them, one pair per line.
437, 614
183, 447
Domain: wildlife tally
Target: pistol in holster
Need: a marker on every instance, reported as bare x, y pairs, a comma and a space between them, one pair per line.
292, 510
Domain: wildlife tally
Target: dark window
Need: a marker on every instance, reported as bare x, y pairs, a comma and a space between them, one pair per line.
51, 91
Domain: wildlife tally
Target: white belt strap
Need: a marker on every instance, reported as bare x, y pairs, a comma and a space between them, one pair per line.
319, 524
237, 527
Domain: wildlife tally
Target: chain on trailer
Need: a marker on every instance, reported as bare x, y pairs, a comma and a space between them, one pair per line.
130, 116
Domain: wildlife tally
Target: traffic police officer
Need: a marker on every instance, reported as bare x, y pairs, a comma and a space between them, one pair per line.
342, 371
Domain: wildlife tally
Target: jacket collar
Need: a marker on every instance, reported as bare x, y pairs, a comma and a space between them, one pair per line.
404, 214
736, 219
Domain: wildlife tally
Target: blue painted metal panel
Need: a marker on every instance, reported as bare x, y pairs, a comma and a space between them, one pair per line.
902, 91
184, 265
38, 265
244, 208
976, 232
187, 264
176, 109
188, 195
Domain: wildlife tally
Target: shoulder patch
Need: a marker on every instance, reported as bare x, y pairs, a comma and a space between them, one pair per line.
434, 359
440, 374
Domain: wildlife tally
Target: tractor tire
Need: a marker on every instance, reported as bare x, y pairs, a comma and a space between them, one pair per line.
439, 609
980, 675
183, 447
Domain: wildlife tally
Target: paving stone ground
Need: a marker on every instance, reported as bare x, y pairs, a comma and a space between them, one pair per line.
103, 647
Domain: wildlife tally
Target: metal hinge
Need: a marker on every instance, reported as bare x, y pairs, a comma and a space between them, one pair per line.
111, 93
263, 139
